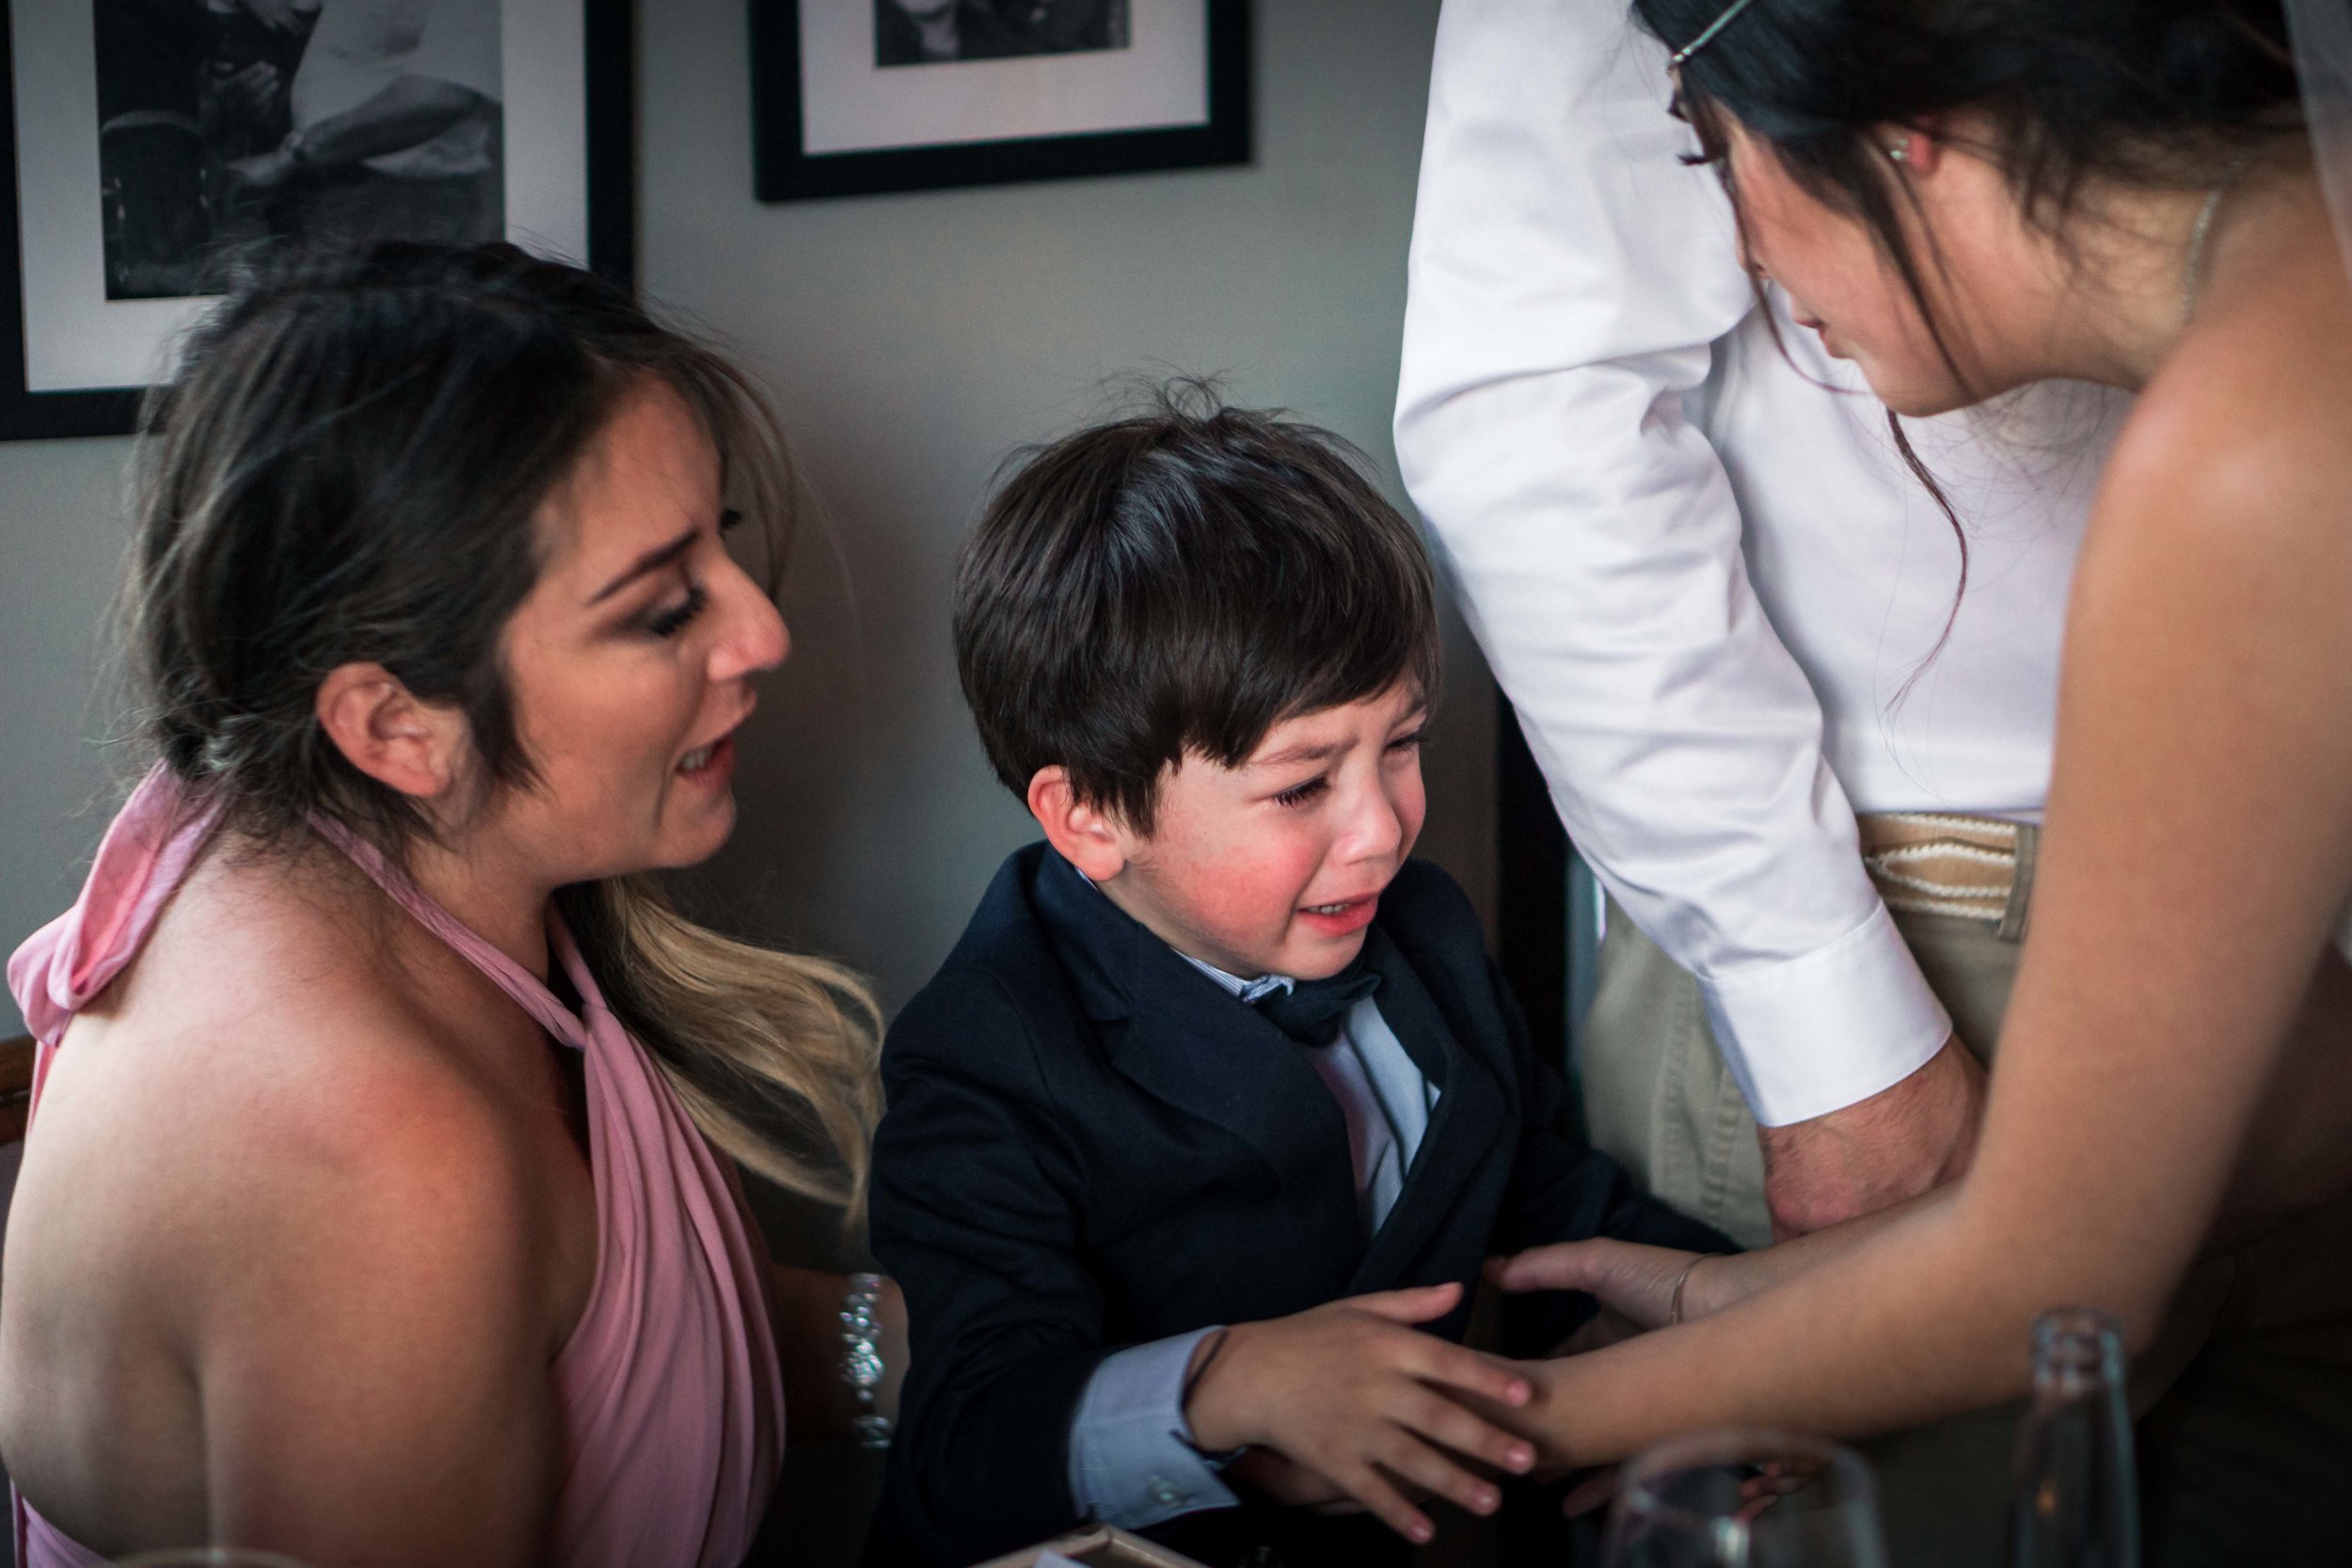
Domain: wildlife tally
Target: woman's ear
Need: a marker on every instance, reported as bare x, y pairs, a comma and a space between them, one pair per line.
1915, 147
1086, 836
385, 732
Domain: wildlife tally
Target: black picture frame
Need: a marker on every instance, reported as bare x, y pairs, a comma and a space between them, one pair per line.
610, 144
782, 170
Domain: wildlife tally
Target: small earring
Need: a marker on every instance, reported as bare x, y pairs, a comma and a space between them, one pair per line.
1899, 153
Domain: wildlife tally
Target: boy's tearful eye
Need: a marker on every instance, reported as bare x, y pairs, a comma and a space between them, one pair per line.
1299, 795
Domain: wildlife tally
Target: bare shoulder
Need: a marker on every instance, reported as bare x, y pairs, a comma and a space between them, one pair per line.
273, 1196
2237, 449
355, 1114
2211, 599
255, 1096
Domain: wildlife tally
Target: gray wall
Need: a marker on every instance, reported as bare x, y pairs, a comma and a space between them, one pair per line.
911, 340
62, 536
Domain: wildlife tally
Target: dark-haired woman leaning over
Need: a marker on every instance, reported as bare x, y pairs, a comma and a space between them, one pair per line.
1964, 199
379, 1203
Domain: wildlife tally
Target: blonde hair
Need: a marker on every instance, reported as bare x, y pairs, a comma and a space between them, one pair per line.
749, 1037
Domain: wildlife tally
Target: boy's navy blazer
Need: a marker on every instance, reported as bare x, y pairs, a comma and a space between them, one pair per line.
1091, 1145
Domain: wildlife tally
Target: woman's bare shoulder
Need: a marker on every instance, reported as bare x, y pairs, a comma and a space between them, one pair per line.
260, 1091
259, 1171
2240, 441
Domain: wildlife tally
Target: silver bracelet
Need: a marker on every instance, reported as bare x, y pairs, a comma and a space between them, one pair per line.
861, 1366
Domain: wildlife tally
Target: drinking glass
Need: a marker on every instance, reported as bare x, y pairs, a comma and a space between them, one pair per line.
1745, 1499
205, 1557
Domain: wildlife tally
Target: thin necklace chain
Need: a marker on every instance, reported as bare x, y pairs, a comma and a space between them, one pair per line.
2193, 265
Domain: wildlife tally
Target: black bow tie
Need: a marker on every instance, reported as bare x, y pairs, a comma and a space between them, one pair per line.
1309, 1011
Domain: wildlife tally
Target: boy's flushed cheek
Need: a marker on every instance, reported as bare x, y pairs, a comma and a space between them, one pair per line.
1253, 894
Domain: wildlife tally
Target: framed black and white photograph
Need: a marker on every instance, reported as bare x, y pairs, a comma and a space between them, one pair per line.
856, 96
152, 143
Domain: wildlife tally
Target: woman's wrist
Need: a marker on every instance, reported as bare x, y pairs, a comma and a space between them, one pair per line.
824, 1402
891, 1321
1721, 1281
1677, 1303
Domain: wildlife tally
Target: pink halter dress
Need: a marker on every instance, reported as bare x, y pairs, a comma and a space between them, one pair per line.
672, 1396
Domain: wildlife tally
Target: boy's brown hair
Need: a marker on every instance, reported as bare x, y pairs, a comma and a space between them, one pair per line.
1177, 581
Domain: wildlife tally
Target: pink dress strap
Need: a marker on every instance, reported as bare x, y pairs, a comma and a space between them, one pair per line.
672, 1392
147, 851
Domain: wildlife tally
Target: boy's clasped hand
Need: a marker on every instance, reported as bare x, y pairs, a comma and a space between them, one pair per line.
1349, 1401
1349, 1405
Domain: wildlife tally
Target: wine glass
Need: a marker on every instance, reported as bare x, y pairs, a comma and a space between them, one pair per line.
1745, 1499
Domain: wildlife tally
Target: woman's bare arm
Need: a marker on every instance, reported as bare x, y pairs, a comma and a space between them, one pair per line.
376, 1376
2198, 846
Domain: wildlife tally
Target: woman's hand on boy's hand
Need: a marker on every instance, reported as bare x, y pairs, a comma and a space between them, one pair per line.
1634, 1281
1354, 1393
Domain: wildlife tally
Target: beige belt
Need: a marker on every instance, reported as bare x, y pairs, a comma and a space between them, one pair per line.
1935, 862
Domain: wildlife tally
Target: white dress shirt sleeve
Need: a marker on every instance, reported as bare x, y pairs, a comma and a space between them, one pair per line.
1568, 277
1131, 1462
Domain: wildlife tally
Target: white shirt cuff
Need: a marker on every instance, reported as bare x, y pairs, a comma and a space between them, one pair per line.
1817, 1033
1131, 1462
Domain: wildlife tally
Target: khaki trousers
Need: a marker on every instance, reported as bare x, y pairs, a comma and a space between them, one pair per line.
1659, 1099
2244, 1400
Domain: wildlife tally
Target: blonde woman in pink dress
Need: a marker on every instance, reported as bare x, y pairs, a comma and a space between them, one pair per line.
380, 1200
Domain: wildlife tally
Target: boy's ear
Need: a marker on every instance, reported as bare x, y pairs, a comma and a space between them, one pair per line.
1087, 836
384, 731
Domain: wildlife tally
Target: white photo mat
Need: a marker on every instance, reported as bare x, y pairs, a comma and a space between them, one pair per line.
76, 338
1159, 80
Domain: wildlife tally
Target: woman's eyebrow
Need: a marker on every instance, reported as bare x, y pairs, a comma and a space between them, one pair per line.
652, 561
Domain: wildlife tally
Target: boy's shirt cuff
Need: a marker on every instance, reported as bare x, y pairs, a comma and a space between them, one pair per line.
1131, 1459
